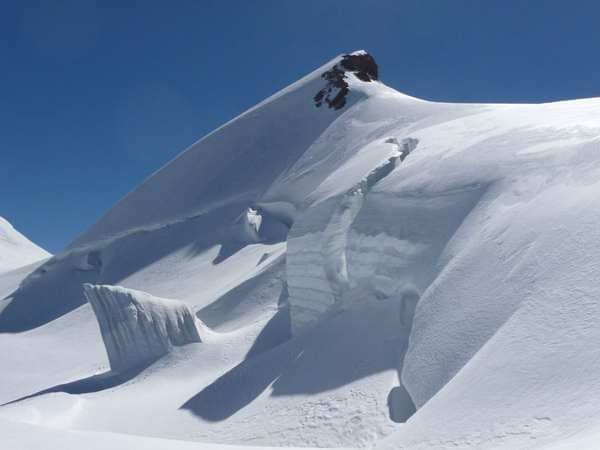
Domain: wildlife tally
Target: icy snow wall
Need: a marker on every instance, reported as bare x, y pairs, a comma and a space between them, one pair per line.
323, 269
137, 327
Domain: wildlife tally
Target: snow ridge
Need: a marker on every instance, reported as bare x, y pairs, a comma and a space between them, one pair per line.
16, 250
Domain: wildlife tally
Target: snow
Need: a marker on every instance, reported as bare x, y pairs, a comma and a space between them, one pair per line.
16, 250
395, 273
319, 275
138, 328
21, 436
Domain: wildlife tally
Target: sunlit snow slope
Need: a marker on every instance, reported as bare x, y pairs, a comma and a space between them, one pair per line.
366, 269
16, 250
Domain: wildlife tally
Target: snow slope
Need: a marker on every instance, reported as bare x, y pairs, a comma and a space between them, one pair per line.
16, 250
18, 435
375, 270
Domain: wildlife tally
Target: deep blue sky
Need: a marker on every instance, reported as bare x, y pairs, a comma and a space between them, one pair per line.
95, 96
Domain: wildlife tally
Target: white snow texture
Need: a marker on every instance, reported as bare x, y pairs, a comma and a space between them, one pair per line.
16, 250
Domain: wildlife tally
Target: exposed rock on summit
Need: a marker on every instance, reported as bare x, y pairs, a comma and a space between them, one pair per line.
361, 64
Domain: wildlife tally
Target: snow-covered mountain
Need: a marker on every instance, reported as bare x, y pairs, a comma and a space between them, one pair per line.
16, 250
342, 265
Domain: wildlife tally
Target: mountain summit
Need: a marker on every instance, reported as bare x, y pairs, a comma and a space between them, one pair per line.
360, 64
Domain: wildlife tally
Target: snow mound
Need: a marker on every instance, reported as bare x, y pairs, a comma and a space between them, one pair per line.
137, 327
16, 250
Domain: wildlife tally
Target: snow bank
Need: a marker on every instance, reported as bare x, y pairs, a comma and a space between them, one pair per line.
137, 327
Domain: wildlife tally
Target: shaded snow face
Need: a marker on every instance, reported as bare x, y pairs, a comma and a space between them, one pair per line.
137, 327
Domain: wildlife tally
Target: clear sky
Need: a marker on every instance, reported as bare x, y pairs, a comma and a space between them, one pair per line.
97, 95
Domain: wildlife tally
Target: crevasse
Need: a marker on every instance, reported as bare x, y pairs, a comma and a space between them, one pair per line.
317, 265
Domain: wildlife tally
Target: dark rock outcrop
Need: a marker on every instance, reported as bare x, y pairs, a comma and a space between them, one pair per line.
361, 64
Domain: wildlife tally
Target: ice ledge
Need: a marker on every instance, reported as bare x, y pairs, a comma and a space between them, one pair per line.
137, 327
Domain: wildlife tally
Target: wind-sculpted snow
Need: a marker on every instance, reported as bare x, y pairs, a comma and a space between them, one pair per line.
138, 328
